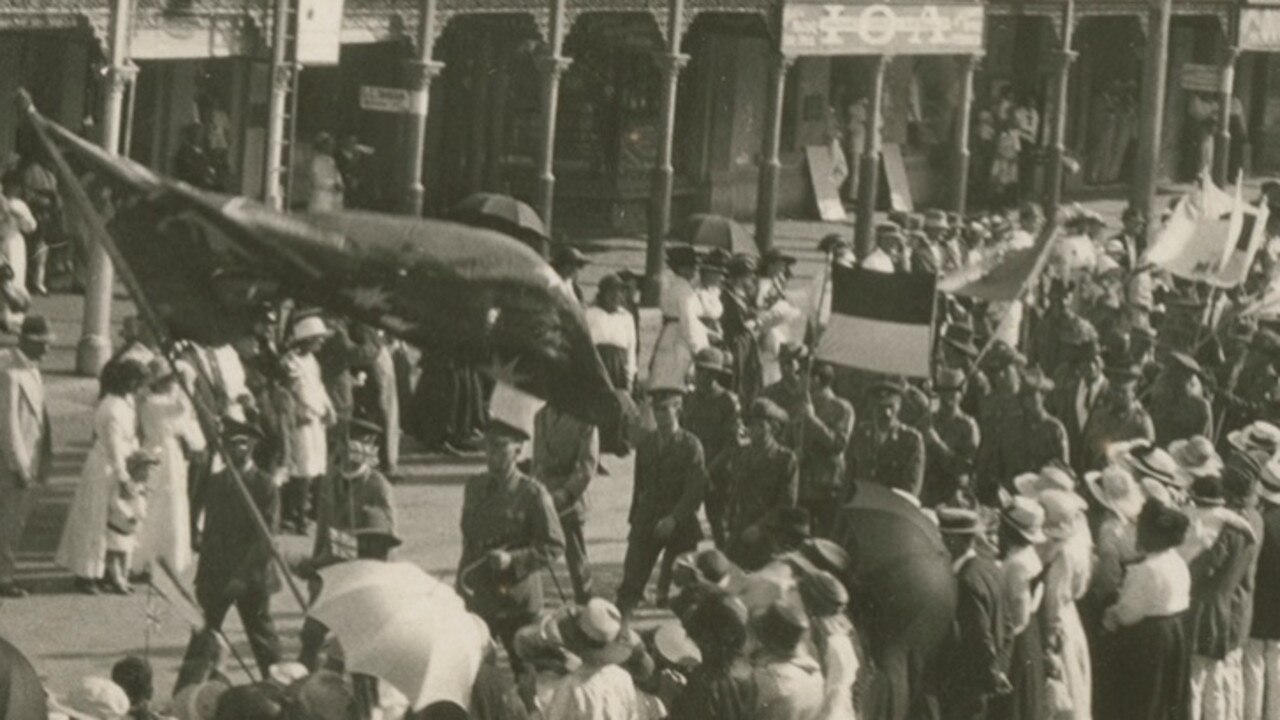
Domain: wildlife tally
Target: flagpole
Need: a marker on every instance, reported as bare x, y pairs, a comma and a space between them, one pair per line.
149, 316
94, 348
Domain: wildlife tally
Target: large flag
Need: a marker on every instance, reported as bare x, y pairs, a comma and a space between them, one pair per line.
1247, 234
205, 263
880, 321
1001, 274
1202, 240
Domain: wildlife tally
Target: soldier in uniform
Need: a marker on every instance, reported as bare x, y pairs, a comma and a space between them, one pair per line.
791, 392
884, 450
1119, 416
1178, 405
1043, 439
510, 530
566, 452
951, 443
670, 481
1048, 346
761, 476
235, 559
959, 352
824, 425
713, 415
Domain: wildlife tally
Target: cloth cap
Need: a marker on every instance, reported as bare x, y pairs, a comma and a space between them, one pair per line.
658, 397
773, 256
233, 429
673, 645
887, 390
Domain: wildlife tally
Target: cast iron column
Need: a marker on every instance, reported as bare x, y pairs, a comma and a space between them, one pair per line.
960, 162
283, 69
663, 171
1222, 156
770, 160
869, 169
421, 71
552, 66
1058, 149
1155, 74
94, 348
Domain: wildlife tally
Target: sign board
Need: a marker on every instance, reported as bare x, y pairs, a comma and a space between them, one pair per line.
895, 176
881, 29
319, 31
1200, 78
385, 99
1260, 29
825, 191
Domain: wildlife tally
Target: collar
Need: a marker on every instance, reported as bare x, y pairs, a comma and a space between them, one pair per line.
908, 497
960, 562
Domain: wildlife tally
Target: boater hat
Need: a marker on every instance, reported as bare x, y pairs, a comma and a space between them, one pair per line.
1025, 517
594, 632
1115, 489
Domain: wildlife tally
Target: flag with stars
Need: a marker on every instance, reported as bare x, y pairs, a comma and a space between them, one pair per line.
206, 263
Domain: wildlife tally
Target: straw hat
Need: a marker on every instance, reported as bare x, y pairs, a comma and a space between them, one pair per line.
1026, 517
1051, 477
1063, 511
1115, 489
594, 633
1145, 460
94, 698
1196, 456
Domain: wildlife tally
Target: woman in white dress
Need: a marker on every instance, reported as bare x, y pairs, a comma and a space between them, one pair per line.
683, 333
16, 221
1068, 559
169, 429
326, 181
83, 547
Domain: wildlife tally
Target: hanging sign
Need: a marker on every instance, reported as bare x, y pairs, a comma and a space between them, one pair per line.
1260, 29
319, 31
882, 29
1201, 78
385, 99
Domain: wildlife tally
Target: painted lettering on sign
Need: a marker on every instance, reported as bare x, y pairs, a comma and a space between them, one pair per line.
1260, 29
882, 29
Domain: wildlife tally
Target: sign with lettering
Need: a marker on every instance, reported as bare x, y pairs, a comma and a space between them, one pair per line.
1260, 29
385, 99
882, 29
1201, 78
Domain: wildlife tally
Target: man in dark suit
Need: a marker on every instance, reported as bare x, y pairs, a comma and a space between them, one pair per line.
235, 559
670, 482
976, 647
884, 450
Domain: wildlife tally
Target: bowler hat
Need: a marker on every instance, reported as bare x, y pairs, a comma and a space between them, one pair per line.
36, 328
713, 359
960, 337
773, 256
715, 260
1206, 491
958, 521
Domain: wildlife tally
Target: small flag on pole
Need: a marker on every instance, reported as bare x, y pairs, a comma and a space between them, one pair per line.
880, 321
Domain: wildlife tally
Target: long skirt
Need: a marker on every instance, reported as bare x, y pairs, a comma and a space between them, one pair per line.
167, 531
83, 546
671, 361
1147, 672
1026, 675
613, 439
1076, 666
448, 403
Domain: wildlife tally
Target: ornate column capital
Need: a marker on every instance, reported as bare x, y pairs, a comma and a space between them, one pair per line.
783, 63
422, 73
672, 63
119, 77
554, 65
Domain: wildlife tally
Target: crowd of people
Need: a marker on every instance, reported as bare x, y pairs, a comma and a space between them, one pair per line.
1097, 464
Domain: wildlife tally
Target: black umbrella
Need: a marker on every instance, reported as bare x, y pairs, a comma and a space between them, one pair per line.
502, 213
708, 230
21, 694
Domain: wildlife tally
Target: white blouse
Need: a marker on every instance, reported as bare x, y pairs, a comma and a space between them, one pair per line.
615, 329
1158, 586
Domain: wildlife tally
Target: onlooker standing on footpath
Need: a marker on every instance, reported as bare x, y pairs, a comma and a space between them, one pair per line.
25, 442
312, 414
566, 452
1262, 652
713, 415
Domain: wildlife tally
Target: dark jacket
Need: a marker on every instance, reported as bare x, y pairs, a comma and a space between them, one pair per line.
522, 522
671, 479
713, 419
760, 480
231, 545
824, 438
1214, 623
723, 693
343, 508
976, 648
1178, 416
1266, 595
895, 461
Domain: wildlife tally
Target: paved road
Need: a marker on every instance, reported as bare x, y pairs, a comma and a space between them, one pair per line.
70, 636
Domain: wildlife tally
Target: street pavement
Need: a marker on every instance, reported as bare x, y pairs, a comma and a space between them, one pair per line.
69, 636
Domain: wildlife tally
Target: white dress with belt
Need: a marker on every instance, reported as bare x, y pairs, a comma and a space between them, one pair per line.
313, 412
170, 428
83, 546
682, 335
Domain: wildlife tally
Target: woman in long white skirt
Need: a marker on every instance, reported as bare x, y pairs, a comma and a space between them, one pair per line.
1068, 560
170, 429
83, 547
683, 334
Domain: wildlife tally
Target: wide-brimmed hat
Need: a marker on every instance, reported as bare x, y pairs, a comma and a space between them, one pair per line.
568, 255
1259, 436
1196, 456
1033, 378
823, 594
1206, 491
682, 255
1063, 512
1146, 460
311, 326
1115, 489
960, 337
764, 408
595, 633
774, 256
959, 521
1050, 477
713, 359
36, 328
1025, 517
94, 698
674, 647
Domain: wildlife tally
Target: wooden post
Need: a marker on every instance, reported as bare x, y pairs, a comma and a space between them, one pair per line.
283, 69
770, 159
869, 169
663, 171
552, 66
1058, 149
421, 71
94, 348
960, 161
1222, 156
1155, 74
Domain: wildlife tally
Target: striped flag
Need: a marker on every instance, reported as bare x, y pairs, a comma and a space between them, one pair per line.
880, 321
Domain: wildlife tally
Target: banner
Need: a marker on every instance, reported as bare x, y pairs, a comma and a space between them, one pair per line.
319, 31
880, 321
882, 29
